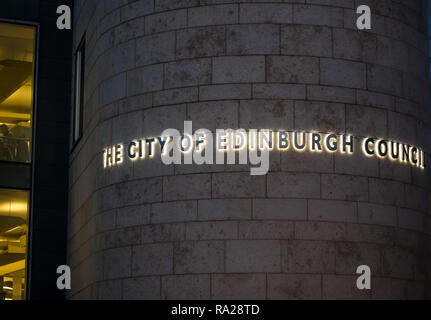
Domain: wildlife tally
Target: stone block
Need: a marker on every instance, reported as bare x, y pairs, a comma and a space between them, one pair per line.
183, 187
330, 210
133, 216
186, 287
144, 288
350, 255
167, 232
238, 286
306, 40
342, 73
370, 213
279, 91
237, 185
253, 39
266, 114
318, 15
336, 287
175, 96
225, 92
294, 286
343, 187
319, 117
293, 185
366, 122
387, 192
331, 94
155, 48
238, 69
213, 15
266, 230
279, 209
165, 21
302, 256
224, 209
187, 73
213, 115
199, 257
355, 45
173, 211
145, 79
212, 230
265, 13
200, 42
152, 259
117, 263
293, 69
252, 256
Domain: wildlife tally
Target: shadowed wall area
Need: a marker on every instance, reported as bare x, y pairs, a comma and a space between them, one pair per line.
145, 230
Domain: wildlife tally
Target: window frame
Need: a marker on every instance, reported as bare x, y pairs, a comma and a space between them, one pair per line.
33, 114
29, 257
78, 92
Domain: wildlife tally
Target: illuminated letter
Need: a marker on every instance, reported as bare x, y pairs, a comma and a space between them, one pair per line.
207, 146
162, 143
242, 135
252, 139
265, 137
314, 141
171, 145
188, 132
328, 146
283, 140
109, 157
104, 158
296, 145
221, 146
406, 153
131, 150
382, 152
221, 139
189, 143
422, 164
394, 152
347, 144
413, 156
150, 145
198, 136
365, 147
119, 153
239, 134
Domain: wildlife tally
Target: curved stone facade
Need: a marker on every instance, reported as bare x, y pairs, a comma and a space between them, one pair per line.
149, 231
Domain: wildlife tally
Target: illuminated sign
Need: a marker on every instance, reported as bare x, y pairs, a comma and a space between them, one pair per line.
252, 147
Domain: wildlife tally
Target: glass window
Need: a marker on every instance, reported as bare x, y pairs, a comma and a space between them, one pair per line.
17, 58
79, 92
14, 206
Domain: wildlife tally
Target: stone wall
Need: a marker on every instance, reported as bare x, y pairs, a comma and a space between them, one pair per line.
146, 230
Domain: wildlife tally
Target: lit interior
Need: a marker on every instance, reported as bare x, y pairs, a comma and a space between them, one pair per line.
13, 243
17, 51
